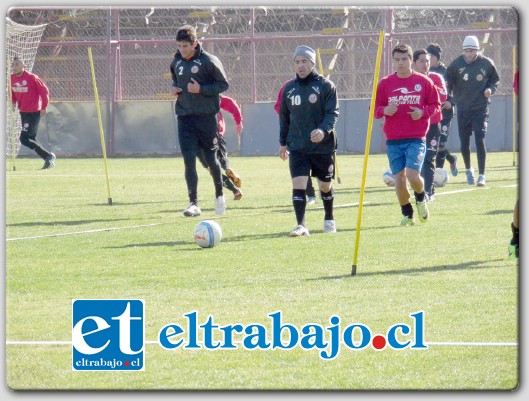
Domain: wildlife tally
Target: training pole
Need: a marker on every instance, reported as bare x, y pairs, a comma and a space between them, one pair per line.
366, 153
514, 124
101, 132
12, 117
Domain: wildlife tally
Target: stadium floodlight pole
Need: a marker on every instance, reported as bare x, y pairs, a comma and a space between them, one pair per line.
366, 153
11, 117
514, 124
336, 170
101, 132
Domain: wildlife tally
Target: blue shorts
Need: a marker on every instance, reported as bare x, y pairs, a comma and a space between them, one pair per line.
405, 153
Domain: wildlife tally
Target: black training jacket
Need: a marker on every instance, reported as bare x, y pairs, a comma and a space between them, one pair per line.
308, 104
441, 70
466, 82
207, 70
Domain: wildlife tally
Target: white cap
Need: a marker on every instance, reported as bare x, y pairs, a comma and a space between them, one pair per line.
471, 42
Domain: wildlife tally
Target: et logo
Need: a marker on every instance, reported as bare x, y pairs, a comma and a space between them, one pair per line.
108, 334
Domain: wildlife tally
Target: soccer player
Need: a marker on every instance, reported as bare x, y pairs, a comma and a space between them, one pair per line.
514, 244
31, 95
307, 118
311, 193
406, 100
472, 79
198, 79
421, 64
231, 180
443, 153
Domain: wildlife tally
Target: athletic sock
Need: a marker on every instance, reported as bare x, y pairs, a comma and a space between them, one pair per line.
299, 201
515, 235
407, 210
226, 182
419, 197
328, 201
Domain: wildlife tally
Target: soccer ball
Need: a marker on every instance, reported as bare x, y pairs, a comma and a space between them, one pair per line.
440, 177
208, 234
389, 178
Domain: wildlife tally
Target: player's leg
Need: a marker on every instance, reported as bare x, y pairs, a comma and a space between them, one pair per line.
299, 166
515, 240
464, 124
428, 166
311, 193
28, 137
188, 141
322, 166
397, 163
415, 152
479, 126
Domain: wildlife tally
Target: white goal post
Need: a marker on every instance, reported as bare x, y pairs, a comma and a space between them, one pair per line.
22, 41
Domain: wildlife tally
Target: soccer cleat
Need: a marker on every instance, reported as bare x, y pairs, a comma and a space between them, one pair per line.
453, 167
422, 209
470, 176
429, 197
300, 231
311, 200
513, 250
237, 195
407, 221
192, 210
481, 180
329, 226
49, 162
220, 205
234, 177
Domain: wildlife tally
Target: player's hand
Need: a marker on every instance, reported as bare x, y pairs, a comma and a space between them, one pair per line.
317, 135
175, 91
43, 112
446, 105
193, 86
238, 129
416, 113
390, 109
283, 152
487, 93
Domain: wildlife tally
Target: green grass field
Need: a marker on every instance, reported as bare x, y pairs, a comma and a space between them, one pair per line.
64, 242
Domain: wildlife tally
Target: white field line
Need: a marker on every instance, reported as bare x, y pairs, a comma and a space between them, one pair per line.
432, 343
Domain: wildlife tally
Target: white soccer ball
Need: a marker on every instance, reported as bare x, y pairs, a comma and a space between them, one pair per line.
208, 234
389, 178
440, 177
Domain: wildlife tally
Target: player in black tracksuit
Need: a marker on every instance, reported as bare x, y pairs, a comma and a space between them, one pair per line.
307, 120
472, 79
443, 153
198, 79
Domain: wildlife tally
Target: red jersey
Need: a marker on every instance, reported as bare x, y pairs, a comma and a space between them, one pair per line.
229, 105
277, 104
29, 92
440, 84
416, 90
515, 83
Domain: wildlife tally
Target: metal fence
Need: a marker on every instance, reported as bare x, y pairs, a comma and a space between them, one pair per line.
134, 46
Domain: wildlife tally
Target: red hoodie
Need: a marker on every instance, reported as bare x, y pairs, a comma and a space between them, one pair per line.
415, 91
29, 92
440, 84
229, 105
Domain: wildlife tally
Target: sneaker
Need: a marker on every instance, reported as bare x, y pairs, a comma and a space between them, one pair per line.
220, 205
237, 195
192, 210
470, 176
513, 251
234, 177
422, 209
329, 226
49, 162
481, 180
300, 231
311, 200
429, 197
453, 167
407, 221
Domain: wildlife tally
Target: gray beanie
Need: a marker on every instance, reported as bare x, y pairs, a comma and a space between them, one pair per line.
306, 52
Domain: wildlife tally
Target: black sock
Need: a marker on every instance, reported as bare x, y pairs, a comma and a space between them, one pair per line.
419, 197
328, 200
226, 182
300, 203
407, 210
515, 235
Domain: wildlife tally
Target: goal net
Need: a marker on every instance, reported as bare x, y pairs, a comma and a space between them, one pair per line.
22, 41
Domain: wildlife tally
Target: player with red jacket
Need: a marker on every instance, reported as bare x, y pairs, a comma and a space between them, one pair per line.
407, 100
31, 95
421, 64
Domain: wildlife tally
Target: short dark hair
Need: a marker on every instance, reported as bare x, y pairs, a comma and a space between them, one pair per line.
186, 34
417, 54
406, 49
434, 49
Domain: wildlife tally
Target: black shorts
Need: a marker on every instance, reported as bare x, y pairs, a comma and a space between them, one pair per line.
320, 166
473, 122
30, 123
198, 131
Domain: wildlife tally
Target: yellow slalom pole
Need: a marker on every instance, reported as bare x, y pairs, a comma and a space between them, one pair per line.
336, 170
366, 153
514, 123
12, 117
101, 132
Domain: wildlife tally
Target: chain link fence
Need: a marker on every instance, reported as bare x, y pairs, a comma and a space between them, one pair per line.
133, 47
